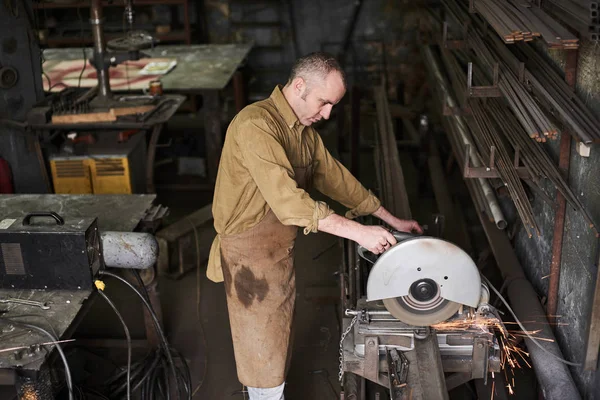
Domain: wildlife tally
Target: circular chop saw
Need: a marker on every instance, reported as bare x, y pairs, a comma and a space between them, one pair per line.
423, 280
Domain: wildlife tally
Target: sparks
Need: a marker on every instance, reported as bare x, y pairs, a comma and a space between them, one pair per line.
510, 389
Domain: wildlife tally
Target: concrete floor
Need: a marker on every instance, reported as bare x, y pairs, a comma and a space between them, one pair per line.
206, 341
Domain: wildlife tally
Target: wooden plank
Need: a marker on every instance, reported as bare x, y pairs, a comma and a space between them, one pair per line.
108, 116
80, 118
131, 110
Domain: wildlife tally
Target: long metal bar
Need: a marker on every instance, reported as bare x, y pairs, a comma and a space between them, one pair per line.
100, 49
548, 89
554, 376
395, 194
546, 83
561, 202
514, 21
464, 136
456, 225
430, 368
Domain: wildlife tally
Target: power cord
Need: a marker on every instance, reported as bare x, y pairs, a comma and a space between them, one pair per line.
165, 344
534, 340
100, 286
58, 348
149, 376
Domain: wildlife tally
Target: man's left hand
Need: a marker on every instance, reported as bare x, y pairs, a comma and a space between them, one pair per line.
406, 225
402, 225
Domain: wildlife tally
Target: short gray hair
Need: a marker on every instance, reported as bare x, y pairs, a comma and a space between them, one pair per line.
318, 64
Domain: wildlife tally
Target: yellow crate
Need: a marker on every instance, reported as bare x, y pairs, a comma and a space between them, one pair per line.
111, 175
107, 166
71, 176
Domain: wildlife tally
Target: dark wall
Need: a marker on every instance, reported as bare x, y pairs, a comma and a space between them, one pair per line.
384, 38
579, 258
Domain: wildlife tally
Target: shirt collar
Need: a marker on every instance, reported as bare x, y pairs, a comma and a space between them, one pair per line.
284, 107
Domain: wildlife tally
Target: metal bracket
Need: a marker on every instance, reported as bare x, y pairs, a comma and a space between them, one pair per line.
491, 171
480, 356
371, 366
483, 91
398, 372
453, 44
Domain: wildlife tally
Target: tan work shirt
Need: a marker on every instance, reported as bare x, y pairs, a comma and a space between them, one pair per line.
264, 143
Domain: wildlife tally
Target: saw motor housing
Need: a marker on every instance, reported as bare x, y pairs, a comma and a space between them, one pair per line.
423, 280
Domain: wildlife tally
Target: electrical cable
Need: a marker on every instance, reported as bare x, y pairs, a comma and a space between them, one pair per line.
198, 293
171, 364
127, 335
534, 340
58, 348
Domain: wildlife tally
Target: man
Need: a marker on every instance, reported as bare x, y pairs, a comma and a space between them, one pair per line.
271, 158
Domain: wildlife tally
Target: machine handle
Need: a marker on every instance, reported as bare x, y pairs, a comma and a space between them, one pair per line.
59, 220
371, 257
367, 255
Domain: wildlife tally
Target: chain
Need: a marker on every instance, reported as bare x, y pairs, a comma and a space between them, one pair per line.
346, 332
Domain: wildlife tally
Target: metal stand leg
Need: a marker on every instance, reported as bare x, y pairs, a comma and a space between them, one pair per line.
239, 91
150, 157
431, 371
212, 127
150, 281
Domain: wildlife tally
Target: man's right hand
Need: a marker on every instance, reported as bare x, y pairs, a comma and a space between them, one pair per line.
375, 238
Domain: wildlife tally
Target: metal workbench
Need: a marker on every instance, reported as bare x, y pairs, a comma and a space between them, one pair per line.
201, 70
114, 213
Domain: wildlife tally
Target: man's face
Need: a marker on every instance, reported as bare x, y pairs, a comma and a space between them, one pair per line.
315, 101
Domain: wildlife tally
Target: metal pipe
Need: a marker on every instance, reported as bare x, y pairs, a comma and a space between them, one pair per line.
134, 250
129, 12
554, 376
351, 254
561, 202
100, 49
462, 130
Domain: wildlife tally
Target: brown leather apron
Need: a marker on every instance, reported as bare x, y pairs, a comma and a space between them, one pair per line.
260, 284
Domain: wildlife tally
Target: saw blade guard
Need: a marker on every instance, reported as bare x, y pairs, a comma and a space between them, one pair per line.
425, 259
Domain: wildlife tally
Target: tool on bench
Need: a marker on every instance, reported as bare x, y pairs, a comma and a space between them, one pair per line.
43, 306
43, 250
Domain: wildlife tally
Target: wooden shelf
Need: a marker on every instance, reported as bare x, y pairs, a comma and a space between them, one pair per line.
86, 4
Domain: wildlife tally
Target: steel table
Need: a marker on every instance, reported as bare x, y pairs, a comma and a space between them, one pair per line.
66, 307
201, 70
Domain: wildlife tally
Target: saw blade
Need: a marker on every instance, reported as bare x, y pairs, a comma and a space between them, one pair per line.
399, 307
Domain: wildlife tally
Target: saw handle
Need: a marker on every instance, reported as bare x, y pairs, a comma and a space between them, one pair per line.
372, 257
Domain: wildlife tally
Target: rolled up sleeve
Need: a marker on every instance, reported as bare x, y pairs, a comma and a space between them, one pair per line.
265, 159
335, 181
